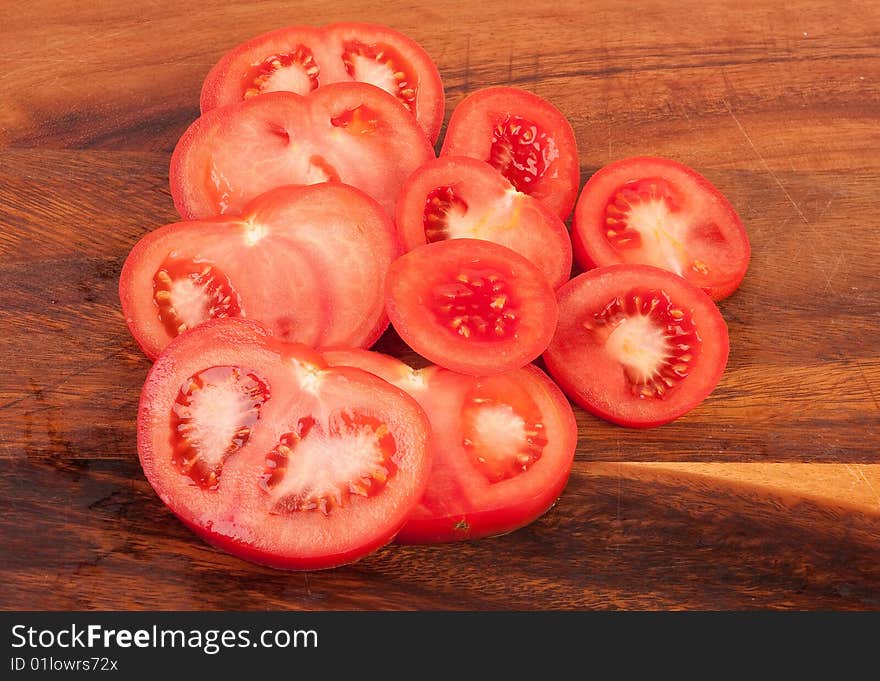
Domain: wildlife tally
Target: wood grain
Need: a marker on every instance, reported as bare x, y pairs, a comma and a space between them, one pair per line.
767, 496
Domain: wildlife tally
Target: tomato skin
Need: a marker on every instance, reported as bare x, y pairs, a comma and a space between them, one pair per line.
596, 382
225, 83
232, 154
412, 287
471, 128
702, 202
288, 276
459, 503
236, 516
495, 212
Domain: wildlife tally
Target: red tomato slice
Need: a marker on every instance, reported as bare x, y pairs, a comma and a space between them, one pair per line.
349, 132
523, 136
653, 211
637, 345
271, 455
457, 197
471, 306
300, 59
503, 446
308, 262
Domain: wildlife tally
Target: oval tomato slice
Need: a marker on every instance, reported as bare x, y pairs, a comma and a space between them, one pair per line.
300, 59
637, 345
653, 211
271, 455
309, 262
348, 132
524, 137
456, 197
503, 446
471, 306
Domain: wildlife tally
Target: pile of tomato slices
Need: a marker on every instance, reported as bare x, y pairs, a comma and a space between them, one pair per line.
315, 213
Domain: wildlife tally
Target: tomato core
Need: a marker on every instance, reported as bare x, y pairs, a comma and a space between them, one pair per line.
187, 293
477, 303
521, 151
313, 468
294, 71
655, 341
211, 419
382, 66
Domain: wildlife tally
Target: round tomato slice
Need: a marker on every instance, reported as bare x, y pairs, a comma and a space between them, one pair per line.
271, 455
456, 197
637, 345
653, 211
524, 137
308, 262
300, 59
348, 132
472, 306
503, 446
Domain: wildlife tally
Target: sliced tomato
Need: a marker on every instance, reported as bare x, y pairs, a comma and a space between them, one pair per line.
300, 59
309, 262
271, 455
503, 446
472, 306
524, 137
348, 132
637, 345
456, 197
653, 211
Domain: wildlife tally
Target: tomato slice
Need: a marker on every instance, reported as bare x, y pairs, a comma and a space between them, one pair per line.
459, 197
503, 446
472, 306
309, 262
654, 211
349, 132
637, 345
300, 59
523, 136
271, 455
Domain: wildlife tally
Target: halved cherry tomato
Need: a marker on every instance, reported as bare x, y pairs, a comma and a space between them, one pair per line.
271, 455
455, 196
300, 59
472, 306
653, 211
637, 345
349, 132
523, 136
309, 262
503, 446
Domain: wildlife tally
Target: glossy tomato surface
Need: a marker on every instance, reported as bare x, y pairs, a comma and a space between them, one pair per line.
471, 306
308, 262
300, 59
654, 211
637, 345
522, 136
503, 446
456, 197
271, 455
352, 133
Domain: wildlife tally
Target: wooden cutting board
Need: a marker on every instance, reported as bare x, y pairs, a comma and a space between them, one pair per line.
768, 495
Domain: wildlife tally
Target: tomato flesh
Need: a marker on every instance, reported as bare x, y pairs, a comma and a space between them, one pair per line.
637, 345
309, 262
658, 212
524, 137
459, 197
503, 446
471, 306
268, 453
345, 132
300, 59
